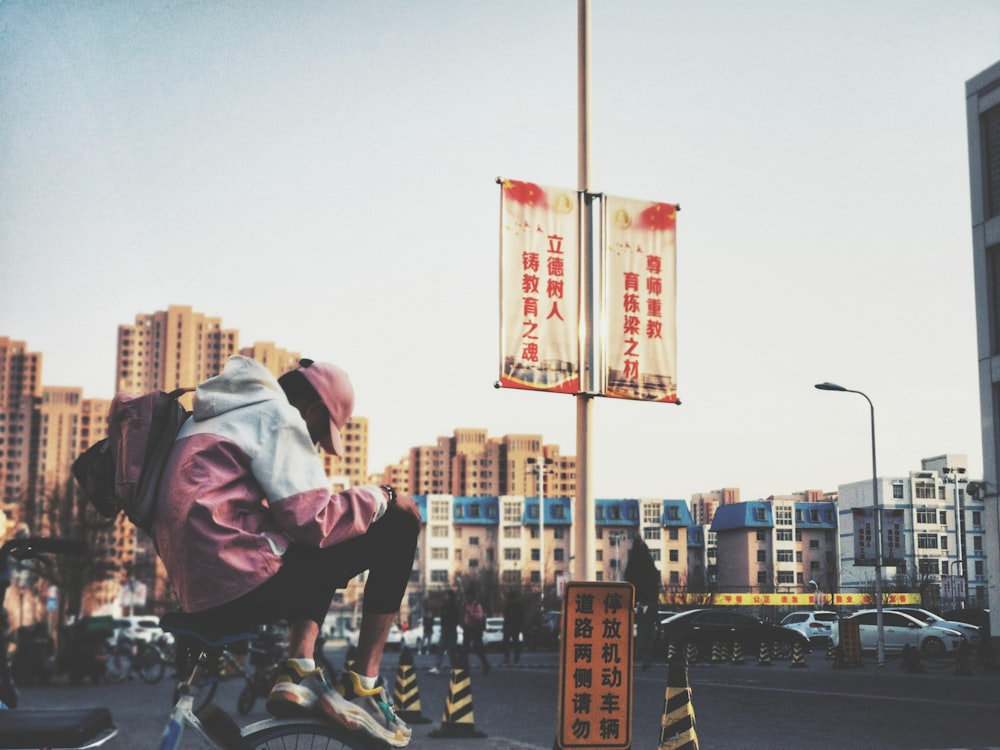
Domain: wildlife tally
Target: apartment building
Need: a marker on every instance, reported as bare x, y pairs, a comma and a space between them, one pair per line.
982, 97
941, 530
20, 387
774, 545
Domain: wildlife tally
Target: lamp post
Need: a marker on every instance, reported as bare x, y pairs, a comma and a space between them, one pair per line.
954, 476
879, 620
540, 466
815, 593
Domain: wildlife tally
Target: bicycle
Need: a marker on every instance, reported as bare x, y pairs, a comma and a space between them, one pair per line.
129, 656
79, 729
219, 729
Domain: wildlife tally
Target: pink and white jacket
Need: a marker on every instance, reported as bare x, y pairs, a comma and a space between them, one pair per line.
243, 481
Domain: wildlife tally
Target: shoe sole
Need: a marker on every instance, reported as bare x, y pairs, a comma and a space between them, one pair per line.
357, 719
290, 700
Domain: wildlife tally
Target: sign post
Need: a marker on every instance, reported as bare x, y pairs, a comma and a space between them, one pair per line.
596, 666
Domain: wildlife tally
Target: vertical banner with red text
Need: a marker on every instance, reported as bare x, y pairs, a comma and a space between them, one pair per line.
539, 287
639, 260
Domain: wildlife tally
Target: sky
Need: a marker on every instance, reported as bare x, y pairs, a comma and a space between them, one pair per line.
323, 175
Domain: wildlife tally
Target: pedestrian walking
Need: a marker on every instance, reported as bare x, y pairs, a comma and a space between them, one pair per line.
428, 629
513, 625
473, 625
641, 572
450, 618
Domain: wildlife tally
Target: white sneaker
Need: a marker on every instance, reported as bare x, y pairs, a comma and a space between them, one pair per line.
355, 707
435, 670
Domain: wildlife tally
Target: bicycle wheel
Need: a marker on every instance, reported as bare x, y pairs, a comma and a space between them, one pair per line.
118, 665
314, 735
150, 665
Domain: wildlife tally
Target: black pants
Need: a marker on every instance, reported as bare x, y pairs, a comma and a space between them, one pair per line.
511, 638
309, 576
472, 640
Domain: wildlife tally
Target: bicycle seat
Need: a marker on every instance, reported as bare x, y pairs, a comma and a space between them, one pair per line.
55, 727
205, 629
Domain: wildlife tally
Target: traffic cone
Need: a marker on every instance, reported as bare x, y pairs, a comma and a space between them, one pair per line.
691, 652
718, 652
831, 650
677, 728
911, 660
406, 694
798, 655
962, 668
737, 654
671, 651
764, 655
776, 652
457, 720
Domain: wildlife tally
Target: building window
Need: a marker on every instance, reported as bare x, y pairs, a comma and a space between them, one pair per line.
439, 553
785, 555
673, 555
673, 534
762, 576
651, 533
511, 532
759, 514
783, 515
925, 490
786, 576
655, 553
474, 541
511, 553
558, 554
783, 535
761, 536
761, 555
439, 576
927, 541
926, 515
675, 578
990, 129
897, 491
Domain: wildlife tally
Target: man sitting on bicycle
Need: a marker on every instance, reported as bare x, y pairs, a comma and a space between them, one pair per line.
250, 532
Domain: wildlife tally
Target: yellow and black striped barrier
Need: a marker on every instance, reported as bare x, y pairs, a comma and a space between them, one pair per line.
798, 655
677, 728
458, 720
406, 694
764, 655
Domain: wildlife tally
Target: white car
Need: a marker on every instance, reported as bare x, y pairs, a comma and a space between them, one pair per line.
814, 625
136, 628
971, 632
493, 634
900, 630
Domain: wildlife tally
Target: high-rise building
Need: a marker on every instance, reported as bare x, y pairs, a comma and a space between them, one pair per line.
172, 348
20, 388
982, 97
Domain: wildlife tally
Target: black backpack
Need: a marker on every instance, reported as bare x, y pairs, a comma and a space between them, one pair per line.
122, 472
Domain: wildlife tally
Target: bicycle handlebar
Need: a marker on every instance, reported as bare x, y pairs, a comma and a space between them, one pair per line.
22, 548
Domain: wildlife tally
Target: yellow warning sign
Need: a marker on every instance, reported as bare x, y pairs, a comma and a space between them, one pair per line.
595, 666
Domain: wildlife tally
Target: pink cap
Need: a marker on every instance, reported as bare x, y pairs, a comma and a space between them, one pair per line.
334, 387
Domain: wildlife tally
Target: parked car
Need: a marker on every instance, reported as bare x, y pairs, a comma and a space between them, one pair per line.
814, 625
978, 617
542, 634
705, 627
392, 643
971, 632
899, 630
136, 628
493, 634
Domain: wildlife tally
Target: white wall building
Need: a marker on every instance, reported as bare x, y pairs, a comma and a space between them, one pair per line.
944, 551
983, 116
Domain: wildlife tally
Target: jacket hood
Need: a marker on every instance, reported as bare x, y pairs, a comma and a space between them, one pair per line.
243, 382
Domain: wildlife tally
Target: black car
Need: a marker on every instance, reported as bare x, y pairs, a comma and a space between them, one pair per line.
706, 628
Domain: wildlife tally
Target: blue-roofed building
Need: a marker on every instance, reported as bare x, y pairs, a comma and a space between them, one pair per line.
778, 544
661, 523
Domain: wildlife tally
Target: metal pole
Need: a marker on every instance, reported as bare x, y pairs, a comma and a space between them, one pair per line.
541, 529
584, 527
879, 621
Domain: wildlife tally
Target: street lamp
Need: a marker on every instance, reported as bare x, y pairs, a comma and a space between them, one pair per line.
879, 622
540, 465
953, 475
815, 593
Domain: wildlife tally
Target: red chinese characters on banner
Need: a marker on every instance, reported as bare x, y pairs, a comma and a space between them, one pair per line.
539, 288
640, 281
